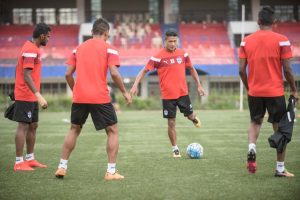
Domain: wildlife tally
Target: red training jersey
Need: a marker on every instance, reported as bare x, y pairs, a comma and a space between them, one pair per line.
171, 68
264, 51
91, 60
29, 58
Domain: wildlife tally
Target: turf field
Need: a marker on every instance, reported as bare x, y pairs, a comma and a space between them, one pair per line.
146, 162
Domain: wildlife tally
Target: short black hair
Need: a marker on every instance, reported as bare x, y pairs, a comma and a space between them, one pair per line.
40, 28
266, 16
171, 33
100, 26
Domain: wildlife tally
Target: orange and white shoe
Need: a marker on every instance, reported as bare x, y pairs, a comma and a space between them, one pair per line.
22, 166
285, 173
197, 122
60, 173
116, 176
35, 163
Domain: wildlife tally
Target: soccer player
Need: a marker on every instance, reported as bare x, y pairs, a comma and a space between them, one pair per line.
27, 96
91, 61
171, 64
266, 54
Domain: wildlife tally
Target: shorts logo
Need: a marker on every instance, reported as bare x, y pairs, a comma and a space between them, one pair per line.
166, 112
29, 114
179, 60
191, 107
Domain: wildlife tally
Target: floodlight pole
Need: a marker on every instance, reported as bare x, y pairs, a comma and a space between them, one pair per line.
242, 37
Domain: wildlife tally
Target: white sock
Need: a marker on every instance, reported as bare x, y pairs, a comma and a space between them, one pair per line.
175, 148
252, 146
111, 168
280, 166
29, 156
63, 164
19, 160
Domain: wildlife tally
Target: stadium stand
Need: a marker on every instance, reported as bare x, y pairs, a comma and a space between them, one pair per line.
292, 31
63, 39
207, 43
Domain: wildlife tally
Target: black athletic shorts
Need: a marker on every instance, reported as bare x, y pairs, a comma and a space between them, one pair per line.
170, 106
103, 115
25, 111
275, 106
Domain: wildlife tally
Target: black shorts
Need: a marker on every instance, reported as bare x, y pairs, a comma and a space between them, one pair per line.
103, 115
25, 111
276, 107
170, 106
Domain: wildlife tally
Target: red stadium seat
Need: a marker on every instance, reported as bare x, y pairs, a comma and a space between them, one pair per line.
64, 38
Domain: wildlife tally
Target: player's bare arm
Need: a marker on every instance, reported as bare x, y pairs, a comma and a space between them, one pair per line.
115, 75
28, 79
139, 77
242, 71
195, 76
288, 73
69, 76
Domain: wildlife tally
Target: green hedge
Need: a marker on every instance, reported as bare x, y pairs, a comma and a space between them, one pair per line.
216, 101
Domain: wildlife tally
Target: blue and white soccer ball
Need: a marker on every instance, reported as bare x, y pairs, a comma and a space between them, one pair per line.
194, 151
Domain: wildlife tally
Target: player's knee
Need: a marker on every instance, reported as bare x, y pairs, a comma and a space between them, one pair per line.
257, 121
191, 116
112, 129
171, 123
33, 126
76, 128
22, 126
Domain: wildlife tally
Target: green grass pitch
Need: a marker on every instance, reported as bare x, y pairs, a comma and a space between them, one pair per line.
145, 159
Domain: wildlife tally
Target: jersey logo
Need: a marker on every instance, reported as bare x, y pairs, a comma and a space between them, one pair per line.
29, 114
166, 112
179, 60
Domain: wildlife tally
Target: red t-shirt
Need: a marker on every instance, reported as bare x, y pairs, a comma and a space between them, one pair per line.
264, 51
171, 68
29, 58
91, 60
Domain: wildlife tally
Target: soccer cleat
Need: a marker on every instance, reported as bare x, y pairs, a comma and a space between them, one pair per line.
60, 173
251, 161
116, 176
22, 166
176, 153
197, 122
35, 163
285, 173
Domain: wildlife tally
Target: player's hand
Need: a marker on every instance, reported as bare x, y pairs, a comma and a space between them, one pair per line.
133, 90
43, 103
295, 94
201, 91
127, 98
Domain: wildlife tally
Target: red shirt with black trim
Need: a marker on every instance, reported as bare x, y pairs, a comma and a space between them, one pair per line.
171, 68
91, 60
29, 58
264, 51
